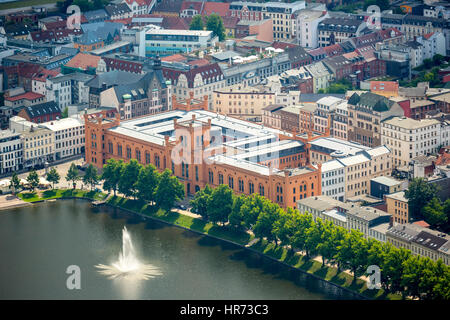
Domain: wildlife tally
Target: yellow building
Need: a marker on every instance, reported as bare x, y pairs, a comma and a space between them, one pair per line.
243, 102
397, 206
38, 146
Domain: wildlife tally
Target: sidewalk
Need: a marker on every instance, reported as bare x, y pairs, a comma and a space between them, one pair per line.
9, 201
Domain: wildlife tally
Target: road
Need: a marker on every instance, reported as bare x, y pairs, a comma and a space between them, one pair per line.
49, 7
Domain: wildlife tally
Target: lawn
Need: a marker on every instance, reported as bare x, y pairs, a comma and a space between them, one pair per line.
60, 193
24, 3
181, 220
325, 272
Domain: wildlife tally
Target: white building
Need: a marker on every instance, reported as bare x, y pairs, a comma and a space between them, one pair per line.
306, 23
408, 138
59, 89
138, 7
433, 43
333, 180
11, 151
69, 136
163, 41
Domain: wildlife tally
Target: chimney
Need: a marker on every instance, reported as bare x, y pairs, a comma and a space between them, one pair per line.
103, 86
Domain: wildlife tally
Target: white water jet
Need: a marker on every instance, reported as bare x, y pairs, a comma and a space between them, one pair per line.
128, 265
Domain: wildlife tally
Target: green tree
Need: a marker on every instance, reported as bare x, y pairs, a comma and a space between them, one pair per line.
73, 175
220, 204
197, 23
264, 227
65, 113
352, 253
91, 176
392, 269
53, 177
419, 193
129, 177
281, 227
169, 190
200, 202
147, 182
112, 172
14, 183
301, 224
326, 247
251, 208
236, 218
33, 179
413, 271
214, 23
85, 5
434, 214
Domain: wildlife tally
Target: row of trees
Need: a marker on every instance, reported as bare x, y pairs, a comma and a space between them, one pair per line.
425, 205
212, 23
402, 272
145, 183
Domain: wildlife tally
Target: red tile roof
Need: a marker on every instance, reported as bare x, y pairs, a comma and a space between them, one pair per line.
83, 61
25, 96
428, 35
45, 74
196, 5
211, 72
422, 223
175, 57
230, 22
175, 23
333, 50
198, 62
387, 86
219, 8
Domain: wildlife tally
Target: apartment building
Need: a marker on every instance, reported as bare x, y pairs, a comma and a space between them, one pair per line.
326, 108
11, 151
339, 128
365, 115
243, 102
69, 137
38, 146
307, 27
200, 81
333, 179
397, 205
362, 167
408, 138
281, 14
338, 30
321, 75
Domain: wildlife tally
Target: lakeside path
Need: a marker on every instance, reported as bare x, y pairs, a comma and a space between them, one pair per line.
9, 201
343, 280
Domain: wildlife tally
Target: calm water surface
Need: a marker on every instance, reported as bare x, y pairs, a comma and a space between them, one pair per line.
38, 243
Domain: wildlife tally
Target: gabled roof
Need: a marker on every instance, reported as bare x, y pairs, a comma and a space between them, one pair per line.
372, 101
42, 109
297, 53
25, 96
168, 6
333, 50
196, 5
117, 9
210, 72
219, 8
96, 14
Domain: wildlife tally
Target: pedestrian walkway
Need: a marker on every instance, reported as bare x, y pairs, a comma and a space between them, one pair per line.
9, 201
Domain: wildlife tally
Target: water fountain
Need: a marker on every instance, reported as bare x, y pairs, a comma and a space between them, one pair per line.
128, 265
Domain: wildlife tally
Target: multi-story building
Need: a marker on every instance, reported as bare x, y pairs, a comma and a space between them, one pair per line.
382, 185
339, 128
323, 149
271, 116
166, 42
257, 70
365, 114
397, 205
333, 180
338, 29
238, 155
280, 13
408, 138
323, 117
69, 136
242, 102
149, 95
362, 167
414, 25
38, 146
139, 7
421, 241
196, 81
42, 112
11, 151
349, 216
118, 11
433, 43
321, 75
307, 25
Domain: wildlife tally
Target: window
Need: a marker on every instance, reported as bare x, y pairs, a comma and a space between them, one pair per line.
220, 178
261, 190
210, 177
231, 182
147, 157
128, 152
251, 188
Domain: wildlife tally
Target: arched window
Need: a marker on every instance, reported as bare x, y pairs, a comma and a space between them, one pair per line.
251, 188
261, 190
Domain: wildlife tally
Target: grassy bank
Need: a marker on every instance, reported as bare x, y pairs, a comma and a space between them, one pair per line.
24, 3
281, 254
61, 193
